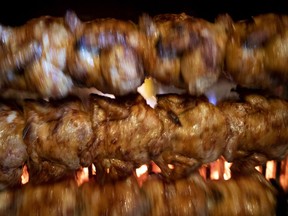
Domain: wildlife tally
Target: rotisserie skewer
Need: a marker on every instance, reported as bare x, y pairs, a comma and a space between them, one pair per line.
242, 195
52, 56
119, 135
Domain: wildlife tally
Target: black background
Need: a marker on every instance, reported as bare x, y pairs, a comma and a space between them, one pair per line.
18, 12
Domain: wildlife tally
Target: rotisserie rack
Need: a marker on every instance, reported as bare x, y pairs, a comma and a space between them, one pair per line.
52, 127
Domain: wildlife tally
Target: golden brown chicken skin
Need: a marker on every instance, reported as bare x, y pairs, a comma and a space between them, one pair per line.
257, 52
258, 128
182, 131
195, 132
60, 198
107, 54
243, 195
13, 154
57, 135
33, 56
184, 51
127, 134
122, 197
8, 202
186, 196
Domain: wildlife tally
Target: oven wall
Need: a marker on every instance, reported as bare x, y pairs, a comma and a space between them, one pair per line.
18, 12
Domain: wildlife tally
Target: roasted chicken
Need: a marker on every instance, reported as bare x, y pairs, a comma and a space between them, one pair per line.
59, 198
182, 131
257, 52
107, 55
243, 195
119, 135
185, 51
33, 57
51, 56
258, 129
57, 136
122, 197
13, 154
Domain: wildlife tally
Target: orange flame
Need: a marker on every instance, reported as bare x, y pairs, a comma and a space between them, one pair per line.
25, 175
284, 174
155, 168
270, 170
227, 172
82, 176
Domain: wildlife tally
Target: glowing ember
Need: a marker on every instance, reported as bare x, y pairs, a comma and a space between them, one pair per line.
202, 171
284, 174
155, 168
270, 170
25, 175
82, 176
93, 169
217, 169
227, 172
214, 174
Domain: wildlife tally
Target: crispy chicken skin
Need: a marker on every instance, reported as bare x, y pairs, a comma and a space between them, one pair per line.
195, 132
127, 134
13, 154
119, 135
243, 195
60, 198
57, 135
7, 202
107, 54
258, 128
33, 56
257, 52
182, 197
184, 51
123, 198
182, 131
51, 56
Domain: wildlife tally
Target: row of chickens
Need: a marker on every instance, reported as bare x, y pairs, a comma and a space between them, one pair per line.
242, 195
119, 135
50, 57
